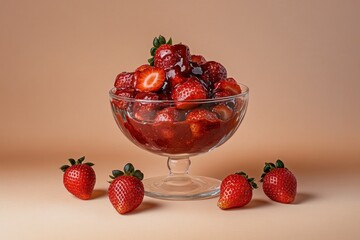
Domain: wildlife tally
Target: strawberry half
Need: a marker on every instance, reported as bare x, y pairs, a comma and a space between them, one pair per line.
199, 59
126, 191
200, 121
236, 191
79, 178
222, 111
150, 79
279, 183
228, 85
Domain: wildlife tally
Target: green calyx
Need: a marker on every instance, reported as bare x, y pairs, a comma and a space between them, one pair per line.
129, 170
157, 42
75, 162
250, 180
270, 166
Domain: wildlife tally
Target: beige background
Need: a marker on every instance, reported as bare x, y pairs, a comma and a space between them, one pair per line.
300, 59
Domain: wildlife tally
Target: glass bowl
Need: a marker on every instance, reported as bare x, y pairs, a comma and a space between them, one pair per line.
179, 130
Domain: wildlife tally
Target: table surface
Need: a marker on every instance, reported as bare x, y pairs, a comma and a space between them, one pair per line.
35, 205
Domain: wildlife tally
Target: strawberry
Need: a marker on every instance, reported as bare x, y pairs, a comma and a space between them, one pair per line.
279, 183
185, 57
125, 80
200, 121
213, 72
142, 67
222, 111
166, 57
150, 79
126, 191
169, 114
198, 59
144, 110
236, 191
79, 178
191, 89
228, 85
127, 93
158, 42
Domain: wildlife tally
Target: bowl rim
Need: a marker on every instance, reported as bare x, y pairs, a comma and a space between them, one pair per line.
244, 92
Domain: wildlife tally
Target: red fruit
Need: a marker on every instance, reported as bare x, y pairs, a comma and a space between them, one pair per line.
166, 57
126, 191
143, 110
223, 112
200, 121
169, 114
228, 85
198, 59
236, 191
125, 80
221, 94
213, 72
279, 184
191, 89
79, 178
185, 57
127, 93
150, 79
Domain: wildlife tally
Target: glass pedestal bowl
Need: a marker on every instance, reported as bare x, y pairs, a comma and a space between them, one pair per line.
199, 126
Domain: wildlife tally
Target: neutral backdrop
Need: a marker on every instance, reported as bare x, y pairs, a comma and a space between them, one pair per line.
300, 59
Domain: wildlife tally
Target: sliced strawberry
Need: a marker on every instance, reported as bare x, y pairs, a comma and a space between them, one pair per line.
142, 67
125, 80
199, 59
201, 121
150, 79
223, 112
213, 72
191, 89
166, 57
228, 85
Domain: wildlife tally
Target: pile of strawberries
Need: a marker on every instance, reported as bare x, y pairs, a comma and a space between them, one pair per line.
173, 73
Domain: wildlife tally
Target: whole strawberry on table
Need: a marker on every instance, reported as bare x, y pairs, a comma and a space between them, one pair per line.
79, 178
126, 191
279, 183
236, 190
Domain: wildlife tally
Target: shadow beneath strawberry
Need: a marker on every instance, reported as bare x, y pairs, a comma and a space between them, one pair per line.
145, 206
98, 193
303, 197
257, 203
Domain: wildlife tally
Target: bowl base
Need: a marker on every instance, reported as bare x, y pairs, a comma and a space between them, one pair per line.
182, 187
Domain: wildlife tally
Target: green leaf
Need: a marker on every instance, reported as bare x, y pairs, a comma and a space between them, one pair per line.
254, 185
112, 177
80, 160
129, 169
162, 40
279, 164
169, 41
272, 165
64, 167
152, 51
251, 179
117, 173
138, 174
72, 161
267, 167
156, 42
151, 61
89, 164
